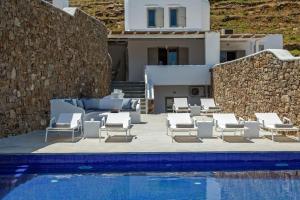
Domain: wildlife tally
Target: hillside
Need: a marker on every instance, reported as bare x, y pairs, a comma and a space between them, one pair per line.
243, 16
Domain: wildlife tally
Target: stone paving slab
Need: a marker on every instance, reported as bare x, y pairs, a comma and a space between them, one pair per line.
149, 136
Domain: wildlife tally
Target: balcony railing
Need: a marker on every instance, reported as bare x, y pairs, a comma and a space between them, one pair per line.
156, 75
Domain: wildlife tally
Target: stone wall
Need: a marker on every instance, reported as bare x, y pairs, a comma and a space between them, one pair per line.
268, 81
47, 53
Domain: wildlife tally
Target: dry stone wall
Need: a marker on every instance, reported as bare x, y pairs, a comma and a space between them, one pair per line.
47, 53
264, 82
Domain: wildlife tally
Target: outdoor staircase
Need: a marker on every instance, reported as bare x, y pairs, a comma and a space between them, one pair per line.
132, 90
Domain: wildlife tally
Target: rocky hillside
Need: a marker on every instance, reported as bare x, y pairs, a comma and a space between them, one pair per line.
243, 16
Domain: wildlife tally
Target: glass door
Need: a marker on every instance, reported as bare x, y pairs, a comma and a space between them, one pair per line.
169, 101
173, 57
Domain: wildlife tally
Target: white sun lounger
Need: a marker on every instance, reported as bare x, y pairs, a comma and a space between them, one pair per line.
181, 105
180, 122
228, 122
208, 106
272, 122
118, 122
65, 122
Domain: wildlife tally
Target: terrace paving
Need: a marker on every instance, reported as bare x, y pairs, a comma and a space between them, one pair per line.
149, 136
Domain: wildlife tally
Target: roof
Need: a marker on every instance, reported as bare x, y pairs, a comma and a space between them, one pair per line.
154, 34
242, 36
176, 34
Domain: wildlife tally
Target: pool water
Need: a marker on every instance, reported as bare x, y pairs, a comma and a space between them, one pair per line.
225, 185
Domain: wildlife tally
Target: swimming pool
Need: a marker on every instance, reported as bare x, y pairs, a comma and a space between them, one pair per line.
151, 176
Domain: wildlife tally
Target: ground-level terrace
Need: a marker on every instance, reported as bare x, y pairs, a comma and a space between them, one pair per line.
148, 136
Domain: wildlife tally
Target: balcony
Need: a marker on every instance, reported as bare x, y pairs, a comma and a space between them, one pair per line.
163, 75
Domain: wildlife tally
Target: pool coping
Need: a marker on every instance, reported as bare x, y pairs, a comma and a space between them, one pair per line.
148, 157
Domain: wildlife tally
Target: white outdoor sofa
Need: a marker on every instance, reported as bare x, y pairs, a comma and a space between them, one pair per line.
117, 122
180, 122
228, 122
91, 108
70, 122
208, 106
272, 122
181, 105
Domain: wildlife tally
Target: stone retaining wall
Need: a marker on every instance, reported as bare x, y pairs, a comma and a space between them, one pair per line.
47, 53
265, 82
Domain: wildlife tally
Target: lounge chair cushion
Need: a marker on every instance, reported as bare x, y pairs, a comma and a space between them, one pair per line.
183, 108
61, 125
213, 107
184, 125
114, 125
283, 125
126, 105
234, 125
91, 104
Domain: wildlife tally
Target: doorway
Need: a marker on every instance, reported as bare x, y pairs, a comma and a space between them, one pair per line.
168, 56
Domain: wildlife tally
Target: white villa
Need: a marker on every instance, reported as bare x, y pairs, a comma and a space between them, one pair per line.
169, 45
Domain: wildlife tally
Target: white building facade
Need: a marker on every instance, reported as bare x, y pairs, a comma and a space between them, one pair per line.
169, 45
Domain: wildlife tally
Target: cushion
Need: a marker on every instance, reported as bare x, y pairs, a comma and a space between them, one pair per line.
234, 125
80, 103
114, 125
283, 125
90, 104
134, 103
111, 104
61, 125
126, 104
70, 101
184, 125
213, 107
183, 107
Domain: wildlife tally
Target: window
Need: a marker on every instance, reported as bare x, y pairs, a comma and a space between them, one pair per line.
151, 18
231, 55
227, 56
178, 17
173, 57
169, 101
261, 47
155, 17
173, 17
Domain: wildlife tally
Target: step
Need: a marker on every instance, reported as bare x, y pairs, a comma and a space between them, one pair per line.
134, 96
130, 89
134, 92
127, 84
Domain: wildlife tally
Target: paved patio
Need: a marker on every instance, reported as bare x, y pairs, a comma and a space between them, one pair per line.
150, 136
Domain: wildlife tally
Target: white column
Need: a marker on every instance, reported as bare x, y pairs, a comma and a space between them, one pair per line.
212, 48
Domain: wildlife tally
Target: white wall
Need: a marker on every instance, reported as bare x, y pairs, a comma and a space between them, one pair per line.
179, 75
61, 3
212, 48
138, 53
251, 45
197, 14
274, 41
